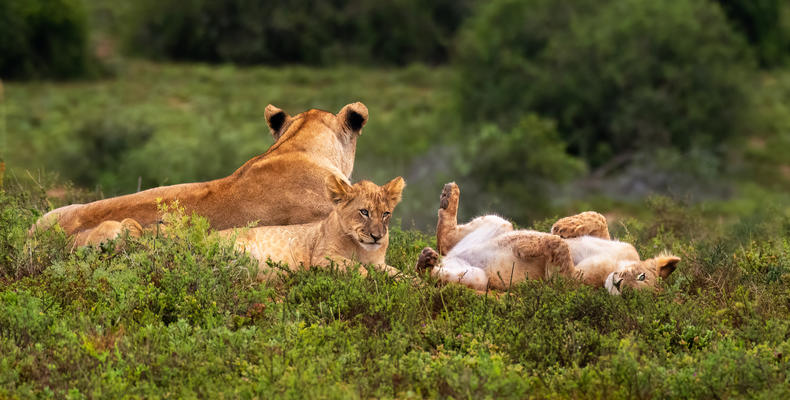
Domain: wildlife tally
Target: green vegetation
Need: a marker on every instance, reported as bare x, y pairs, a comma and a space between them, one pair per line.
766, 24
307, 32
44, 39
617, 76
181, 315
506, 163
652, 97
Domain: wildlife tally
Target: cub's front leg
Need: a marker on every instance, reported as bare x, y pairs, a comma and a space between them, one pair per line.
428, 259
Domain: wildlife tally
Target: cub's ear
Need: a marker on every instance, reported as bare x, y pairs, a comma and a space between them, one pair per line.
276, 119
665, 265
393, 190
339, 189
353, 117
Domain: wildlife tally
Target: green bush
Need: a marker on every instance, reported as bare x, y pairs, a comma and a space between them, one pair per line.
618, 76
766, 24
44, 39
22, 255
530, 155
111, 153
253, 31
97, 152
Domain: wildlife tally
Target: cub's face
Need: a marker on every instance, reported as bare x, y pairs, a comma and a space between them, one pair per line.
641, 275
365, 210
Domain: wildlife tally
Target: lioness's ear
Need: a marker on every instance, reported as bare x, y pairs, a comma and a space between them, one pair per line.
393, 189
353, 117
665, 265
276, 119
339, 189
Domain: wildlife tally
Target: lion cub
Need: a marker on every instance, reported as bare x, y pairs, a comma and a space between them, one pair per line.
356, 231
488, 252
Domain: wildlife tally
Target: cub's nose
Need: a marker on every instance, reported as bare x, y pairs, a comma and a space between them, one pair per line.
376, 237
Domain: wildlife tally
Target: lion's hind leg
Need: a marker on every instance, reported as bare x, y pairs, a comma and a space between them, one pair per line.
588, 223
541, 254
447, 232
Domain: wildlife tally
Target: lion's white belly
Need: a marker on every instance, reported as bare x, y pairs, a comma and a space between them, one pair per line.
479, 247
584, 247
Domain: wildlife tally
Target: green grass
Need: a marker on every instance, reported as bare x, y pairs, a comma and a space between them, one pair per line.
181, 317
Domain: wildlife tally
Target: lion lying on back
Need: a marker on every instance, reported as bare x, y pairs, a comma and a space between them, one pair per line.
488, 252
356, 231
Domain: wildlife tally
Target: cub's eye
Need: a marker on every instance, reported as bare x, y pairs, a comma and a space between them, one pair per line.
641, 277
385, 215
364, 212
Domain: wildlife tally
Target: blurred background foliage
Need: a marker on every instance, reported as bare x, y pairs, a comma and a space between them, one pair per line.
617, 76
302, 31
536, 107
44, 39
765, 24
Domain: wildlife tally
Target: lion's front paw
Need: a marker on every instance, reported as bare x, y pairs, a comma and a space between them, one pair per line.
429, 258
450, 193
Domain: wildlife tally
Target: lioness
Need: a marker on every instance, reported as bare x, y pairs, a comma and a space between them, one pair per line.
285, 185
356, 231
488, 252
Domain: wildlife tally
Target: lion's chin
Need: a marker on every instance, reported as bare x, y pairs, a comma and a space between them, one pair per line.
370, 246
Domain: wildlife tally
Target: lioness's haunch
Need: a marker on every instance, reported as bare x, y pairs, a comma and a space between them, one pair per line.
356, 231
488, 252
285, 185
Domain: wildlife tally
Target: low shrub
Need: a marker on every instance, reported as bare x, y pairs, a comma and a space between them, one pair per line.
181, 313
21, 254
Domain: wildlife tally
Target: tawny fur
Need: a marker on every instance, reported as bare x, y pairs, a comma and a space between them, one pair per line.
107, 230
588, 223
285, 185
488, 252
346, 237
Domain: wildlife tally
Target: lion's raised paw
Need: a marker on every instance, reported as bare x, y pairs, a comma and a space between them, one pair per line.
450, 193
